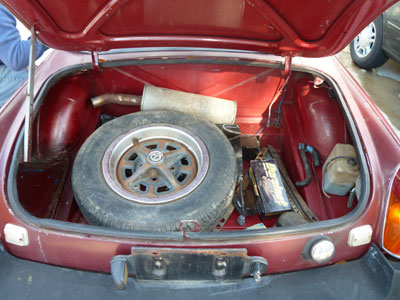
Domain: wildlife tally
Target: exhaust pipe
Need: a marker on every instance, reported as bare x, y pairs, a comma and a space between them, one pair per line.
215, 110
116, 99
218, 111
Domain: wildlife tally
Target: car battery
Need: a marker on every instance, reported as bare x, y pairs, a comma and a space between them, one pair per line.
271, 196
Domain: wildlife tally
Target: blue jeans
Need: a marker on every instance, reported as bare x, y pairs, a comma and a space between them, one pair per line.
10, 81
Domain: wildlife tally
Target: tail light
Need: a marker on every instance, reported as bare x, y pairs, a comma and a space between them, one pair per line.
391, 235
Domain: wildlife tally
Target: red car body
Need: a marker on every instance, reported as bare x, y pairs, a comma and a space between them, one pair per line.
382, 165
61, 122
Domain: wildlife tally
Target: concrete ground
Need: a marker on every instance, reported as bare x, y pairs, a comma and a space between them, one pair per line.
381, 84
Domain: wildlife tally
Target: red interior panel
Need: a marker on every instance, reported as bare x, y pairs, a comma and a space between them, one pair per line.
309, 115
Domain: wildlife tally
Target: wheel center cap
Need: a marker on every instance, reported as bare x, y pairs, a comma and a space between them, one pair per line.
363, 39
155, 156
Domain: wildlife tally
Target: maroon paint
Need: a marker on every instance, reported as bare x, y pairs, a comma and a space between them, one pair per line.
268, 26
39, 186
322, 120
283, 252
58, 133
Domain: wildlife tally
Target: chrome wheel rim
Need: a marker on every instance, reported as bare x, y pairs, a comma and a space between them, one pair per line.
365, 41
155, 164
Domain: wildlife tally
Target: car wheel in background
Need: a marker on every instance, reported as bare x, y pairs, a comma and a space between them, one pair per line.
366, 49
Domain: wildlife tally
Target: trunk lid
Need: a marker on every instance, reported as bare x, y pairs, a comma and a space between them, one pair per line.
289, 28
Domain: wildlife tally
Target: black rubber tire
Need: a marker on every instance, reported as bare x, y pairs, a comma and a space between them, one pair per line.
206, 204
377, 57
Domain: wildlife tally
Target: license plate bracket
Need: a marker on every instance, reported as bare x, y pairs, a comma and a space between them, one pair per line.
186, 264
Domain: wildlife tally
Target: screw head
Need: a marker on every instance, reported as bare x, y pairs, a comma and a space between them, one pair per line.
221, 263
241, 220
155, 156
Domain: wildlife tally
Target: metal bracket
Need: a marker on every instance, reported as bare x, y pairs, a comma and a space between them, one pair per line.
30, 98
150, 264
188, 223
288, 66
95, 60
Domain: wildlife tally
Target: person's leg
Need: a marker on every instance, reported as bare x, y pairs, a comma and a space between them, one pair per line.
10, 81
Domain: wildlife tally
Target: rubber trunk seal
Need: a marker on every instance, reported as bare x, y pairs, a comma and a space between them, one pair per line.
247, 235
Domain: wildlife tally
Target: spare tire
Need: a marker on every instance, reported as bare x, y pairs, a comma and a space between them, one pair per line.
155, 170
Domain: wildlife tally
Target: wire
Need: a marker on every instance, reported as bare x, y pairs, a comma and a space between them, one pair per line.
262, 128
276, 97
241, 194
280, 108
225, 127
278, 92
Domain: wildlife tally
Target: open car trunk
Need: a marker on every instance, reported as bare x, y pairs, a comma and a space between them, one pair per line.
307, 112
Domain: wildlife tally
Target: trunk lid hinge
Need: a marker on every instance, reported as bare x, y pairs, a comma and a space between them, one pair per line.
288, 66
30, 97
95, 60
